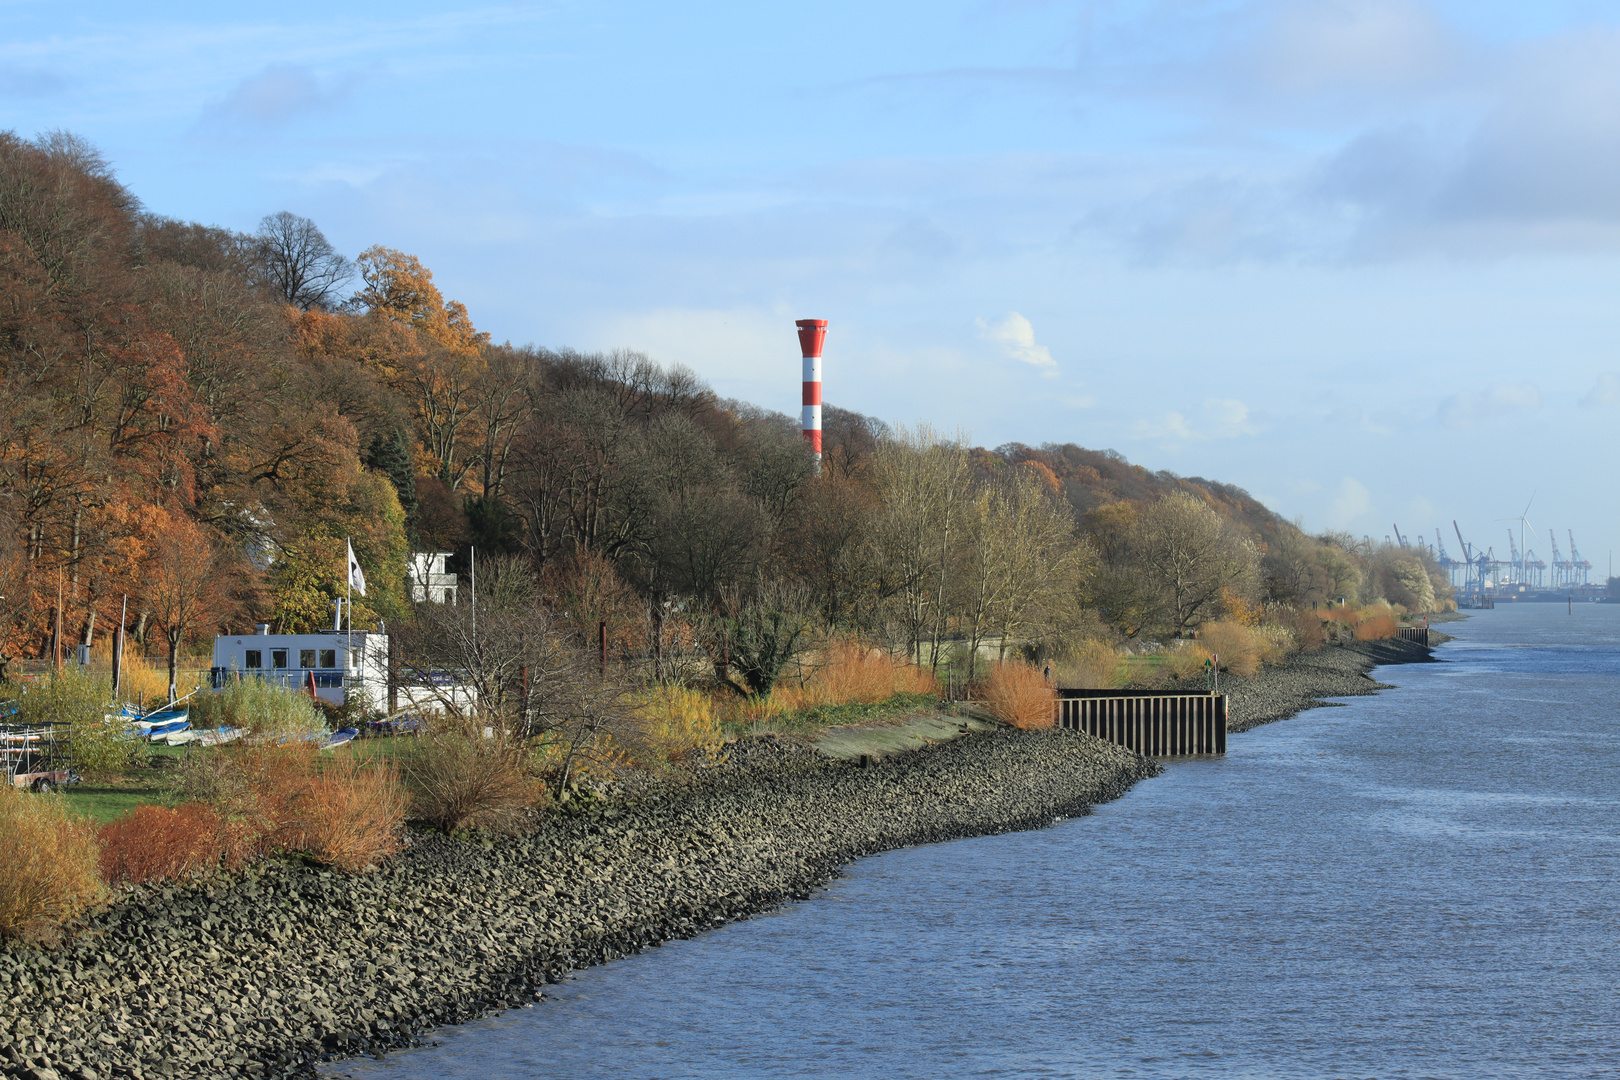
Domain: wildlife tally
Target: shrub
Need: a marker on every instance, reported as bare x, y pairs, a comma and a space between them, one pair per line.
47, 864
463, 775
680, 721
1236, 646
81, 698
1018, 694
263, 708
1185, 661
337, 809
1276, 642
1376, 627
349, 814
854, 674
161, 843
1091, 665
1309, 634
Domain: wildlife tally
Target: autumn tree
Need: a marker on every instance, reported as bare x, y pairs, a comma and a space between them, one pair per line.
186, 590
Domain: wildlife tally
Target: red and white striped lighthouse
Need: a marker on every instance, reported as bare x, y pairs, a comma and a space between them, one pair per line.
812, 332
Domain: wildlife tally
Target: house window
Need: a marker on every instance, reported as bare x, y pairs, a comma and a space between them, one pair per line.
306, 658
328, 658
255, 659
278, 658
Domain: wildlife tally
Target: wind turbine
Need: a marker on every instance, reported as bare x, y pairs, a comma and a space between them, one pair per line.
1524, 523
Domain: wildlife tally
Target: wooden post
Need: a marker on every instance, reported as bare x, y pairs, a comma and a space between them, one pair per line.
56, 642
601, 645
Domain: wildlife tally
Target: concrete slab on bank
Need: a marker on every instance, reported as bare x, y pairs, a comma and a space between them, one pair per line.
910, 733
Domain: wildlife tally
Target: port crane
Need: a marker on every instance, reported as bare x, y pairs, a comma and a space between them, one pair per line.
1447, 563
1578, 566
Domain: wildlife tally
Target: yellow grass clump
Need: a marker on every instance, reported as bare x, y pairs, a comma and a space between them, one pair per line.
1091, 665
1018, 694
680, 721
48, 864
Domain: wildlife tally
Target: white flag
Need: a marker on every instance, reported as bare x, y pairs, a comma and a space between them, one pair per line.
357, 580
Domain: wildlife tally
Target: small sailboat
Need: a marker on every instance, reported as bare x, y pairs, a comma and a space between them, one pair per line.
340, 737
165, 722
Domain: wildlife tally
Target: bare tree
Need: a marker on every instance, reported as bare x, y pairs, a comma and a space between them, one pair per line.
923, 482
1188, 554
524, 679
299, 263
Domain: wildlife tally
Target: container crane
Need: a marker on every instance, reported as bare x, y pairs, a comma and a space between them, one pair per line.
1399, 539
1563, 569
1447, 563
1578, 565
1477, 565
1516, 567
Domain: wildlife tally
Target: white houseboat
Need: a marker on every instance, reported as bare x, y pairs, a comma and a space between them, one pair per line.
342, 663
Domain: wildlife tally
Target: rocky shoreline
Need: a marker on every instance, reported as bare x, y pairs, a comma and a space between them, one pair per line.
293, 965
271, 974
1336, 671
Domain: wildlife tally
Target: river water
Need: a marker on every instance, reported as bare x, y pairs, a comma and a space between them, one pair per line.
1417, 884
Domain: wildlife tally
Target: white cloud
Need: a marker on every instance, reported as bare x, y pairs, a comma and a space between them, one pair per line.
1218, 418
1353, 501
279, 94
1471, 407
1606, 391
1016, 337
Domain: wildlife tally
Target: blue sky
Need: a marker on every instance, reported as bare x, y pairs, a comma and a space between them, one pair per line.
1361, 258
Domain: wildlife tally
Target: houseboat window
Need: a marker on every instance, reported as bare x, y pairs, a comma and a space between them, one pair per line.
328, 658
278, 658
255, 659
306, 658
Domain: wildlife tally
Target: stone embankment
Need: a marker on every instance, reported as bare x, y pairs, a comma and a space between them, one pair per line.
1336, 671
269, 974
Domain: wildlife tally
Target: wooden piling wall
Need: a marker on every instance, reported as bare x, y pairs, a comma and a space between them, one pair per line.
1152, 723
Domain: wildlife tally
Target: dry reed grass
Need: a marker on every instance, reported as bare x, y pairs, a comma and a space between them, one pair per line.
336, 808
681, 722
1091, 665
161, 843
460, 777
1235, 645
1185, 660
48, 864
1018, 694
1377, 626
350, 814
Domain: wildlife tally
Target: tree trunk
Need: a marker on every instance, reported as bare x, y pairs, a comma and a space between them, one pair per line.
174, 663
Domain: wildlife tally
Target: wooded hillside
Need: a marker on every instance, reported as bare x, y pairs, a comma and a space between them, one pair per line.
197, 419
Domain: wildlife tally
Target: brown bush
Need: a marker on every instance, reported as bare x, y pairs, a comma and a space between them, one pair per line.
1309, 633
1235, 645
1018, 694
462, 776
336, 808
350, 814
161, 843
1377, 627
252, 787
47, 864
854, 674
1091, 665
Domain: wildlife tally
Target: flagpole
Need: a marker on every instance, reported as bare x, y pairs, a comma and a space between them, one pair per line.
348, 614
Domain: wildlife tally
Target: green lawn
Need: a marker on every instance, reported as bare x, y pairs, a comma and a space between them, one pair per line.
105, 802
